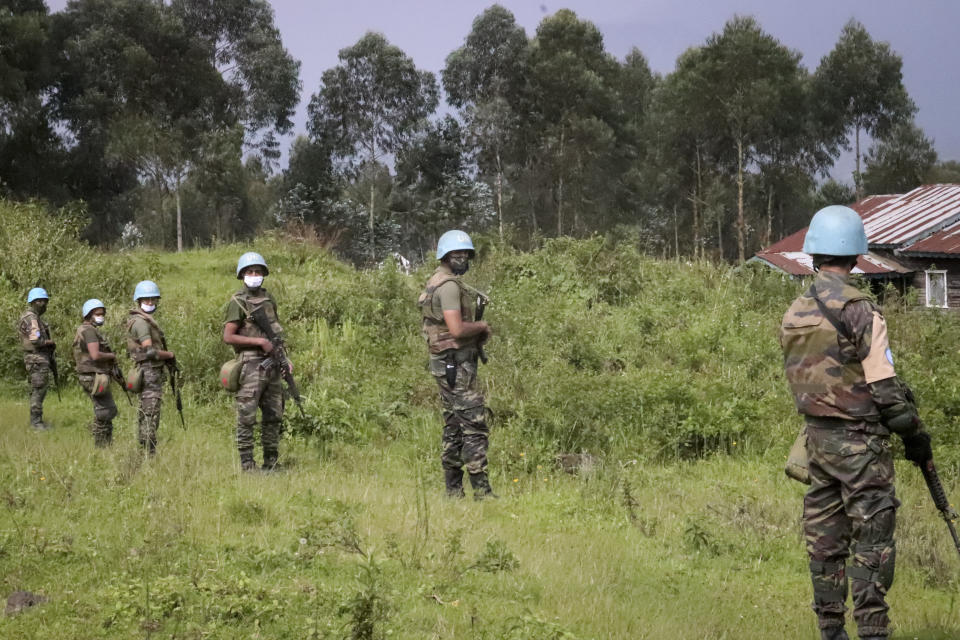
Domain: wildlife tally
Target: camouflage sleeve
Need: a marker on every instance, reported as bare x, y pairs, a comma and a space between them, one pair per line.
869, 332
30, 329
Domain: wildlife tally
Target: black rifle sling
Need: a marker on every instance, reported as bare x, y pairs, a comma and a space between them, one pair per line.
830, 316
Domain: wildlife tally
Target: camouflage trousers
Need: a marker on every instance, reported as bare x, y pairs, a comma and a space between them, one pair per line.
851, 501
38, 370
465, 432
263, 389
151, 397
104, 411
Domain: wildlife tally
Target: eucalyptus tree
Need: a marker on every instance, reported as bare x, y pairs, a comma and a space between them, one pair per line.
900, 161
573, 87
369, 106
485, 80
859, 86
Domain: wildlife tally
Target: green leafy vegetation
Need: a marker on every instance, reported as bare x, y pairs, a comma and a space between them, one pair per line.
663, 376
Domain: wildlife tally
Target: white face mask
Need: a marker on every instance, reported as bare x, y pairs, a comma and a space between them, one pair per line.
253, 282
148, 308
98, 320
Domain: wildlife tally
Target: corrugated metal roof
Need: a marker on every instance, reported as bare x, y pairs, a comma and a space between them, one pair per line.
941, 243
904, 219
797, 263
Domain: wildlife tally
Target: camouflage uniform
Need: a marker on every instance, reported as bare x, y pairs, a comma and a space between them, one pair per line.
842, 380
140, 327
34, 336
258, 387
465, 432
104, 408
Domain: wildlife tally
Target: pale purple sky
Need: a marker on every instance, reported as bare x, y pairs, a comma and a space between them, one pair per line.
923, 32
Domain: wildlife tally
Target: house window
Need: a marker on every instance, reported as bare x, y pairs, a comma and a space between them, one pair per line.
937, 289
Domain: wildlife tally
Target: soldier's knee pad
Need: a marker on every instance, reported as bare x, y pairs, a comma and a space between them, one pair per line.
105, 414
829, 585
875, 552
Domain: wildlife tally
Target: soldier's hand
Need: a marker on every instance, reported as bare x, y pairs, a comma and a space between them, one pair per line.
266, 345
51, 344
917, 448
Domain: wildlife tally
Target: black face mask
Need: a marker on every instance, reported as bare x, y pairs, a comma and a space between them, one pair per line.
40, 308
459, 266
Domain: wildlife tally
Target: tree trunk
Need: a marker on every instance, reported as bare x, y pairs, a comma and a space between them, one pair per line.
560, 187
741, 223
768, 232
857, 178
697, 195
373, 193
500, 194
676, 234
179, 217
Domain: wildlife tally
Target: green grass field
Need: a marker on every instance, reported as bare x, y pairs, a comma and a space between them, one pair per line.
668, 373
185, 546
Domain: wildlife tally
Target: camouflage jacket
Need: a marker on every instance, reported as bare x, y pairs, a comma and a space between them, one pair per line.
137, 351
831, 371
432, 324
33, 332
243, 304
87, 333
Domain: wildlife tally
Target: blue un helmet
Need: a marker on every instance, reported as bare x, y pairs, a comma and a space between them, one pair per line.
146, 289
37, 293
91, 305
836, 231
248, 260
454, 241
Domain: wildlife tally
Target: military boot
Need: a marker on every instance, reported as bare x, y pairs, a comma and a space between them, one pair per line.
834, 633
481, 486
454, 480
36, 421
247, 462
270, 460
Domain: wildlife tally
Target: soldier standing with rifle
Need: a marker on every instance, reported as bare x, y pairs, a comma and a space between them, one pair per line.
147, 346
38, 354
840, 368
248, 312
96, 365
455, 336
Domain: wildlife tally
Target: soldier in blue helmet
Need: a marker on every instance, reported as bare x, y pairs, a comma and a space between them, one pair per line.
839, 365
147, 346
260, 386
454, 341
37, 347
95, 361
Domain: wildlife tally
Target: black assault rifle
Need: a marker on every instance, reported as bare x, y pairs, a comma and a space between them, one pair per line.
277, 357
117, 374
482, 301
176, 381
56, 373
940, 499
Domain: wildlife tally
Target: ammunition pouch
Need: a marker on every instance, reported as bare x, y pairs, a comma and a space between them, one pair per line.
101, 385
134, 381
797, 467
230, 374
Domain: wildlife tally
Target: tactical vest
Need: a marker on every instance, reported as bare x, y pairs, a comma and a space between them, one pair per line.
249, 303
136, 350
433, 325
86, 364
822, 366
28, 323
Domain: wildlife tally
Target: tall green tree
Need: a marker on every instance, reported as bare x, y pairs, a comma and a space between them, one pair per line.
485, 80
573, 81
859, 87
746, 80
369, 105
31, 153
900, 161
